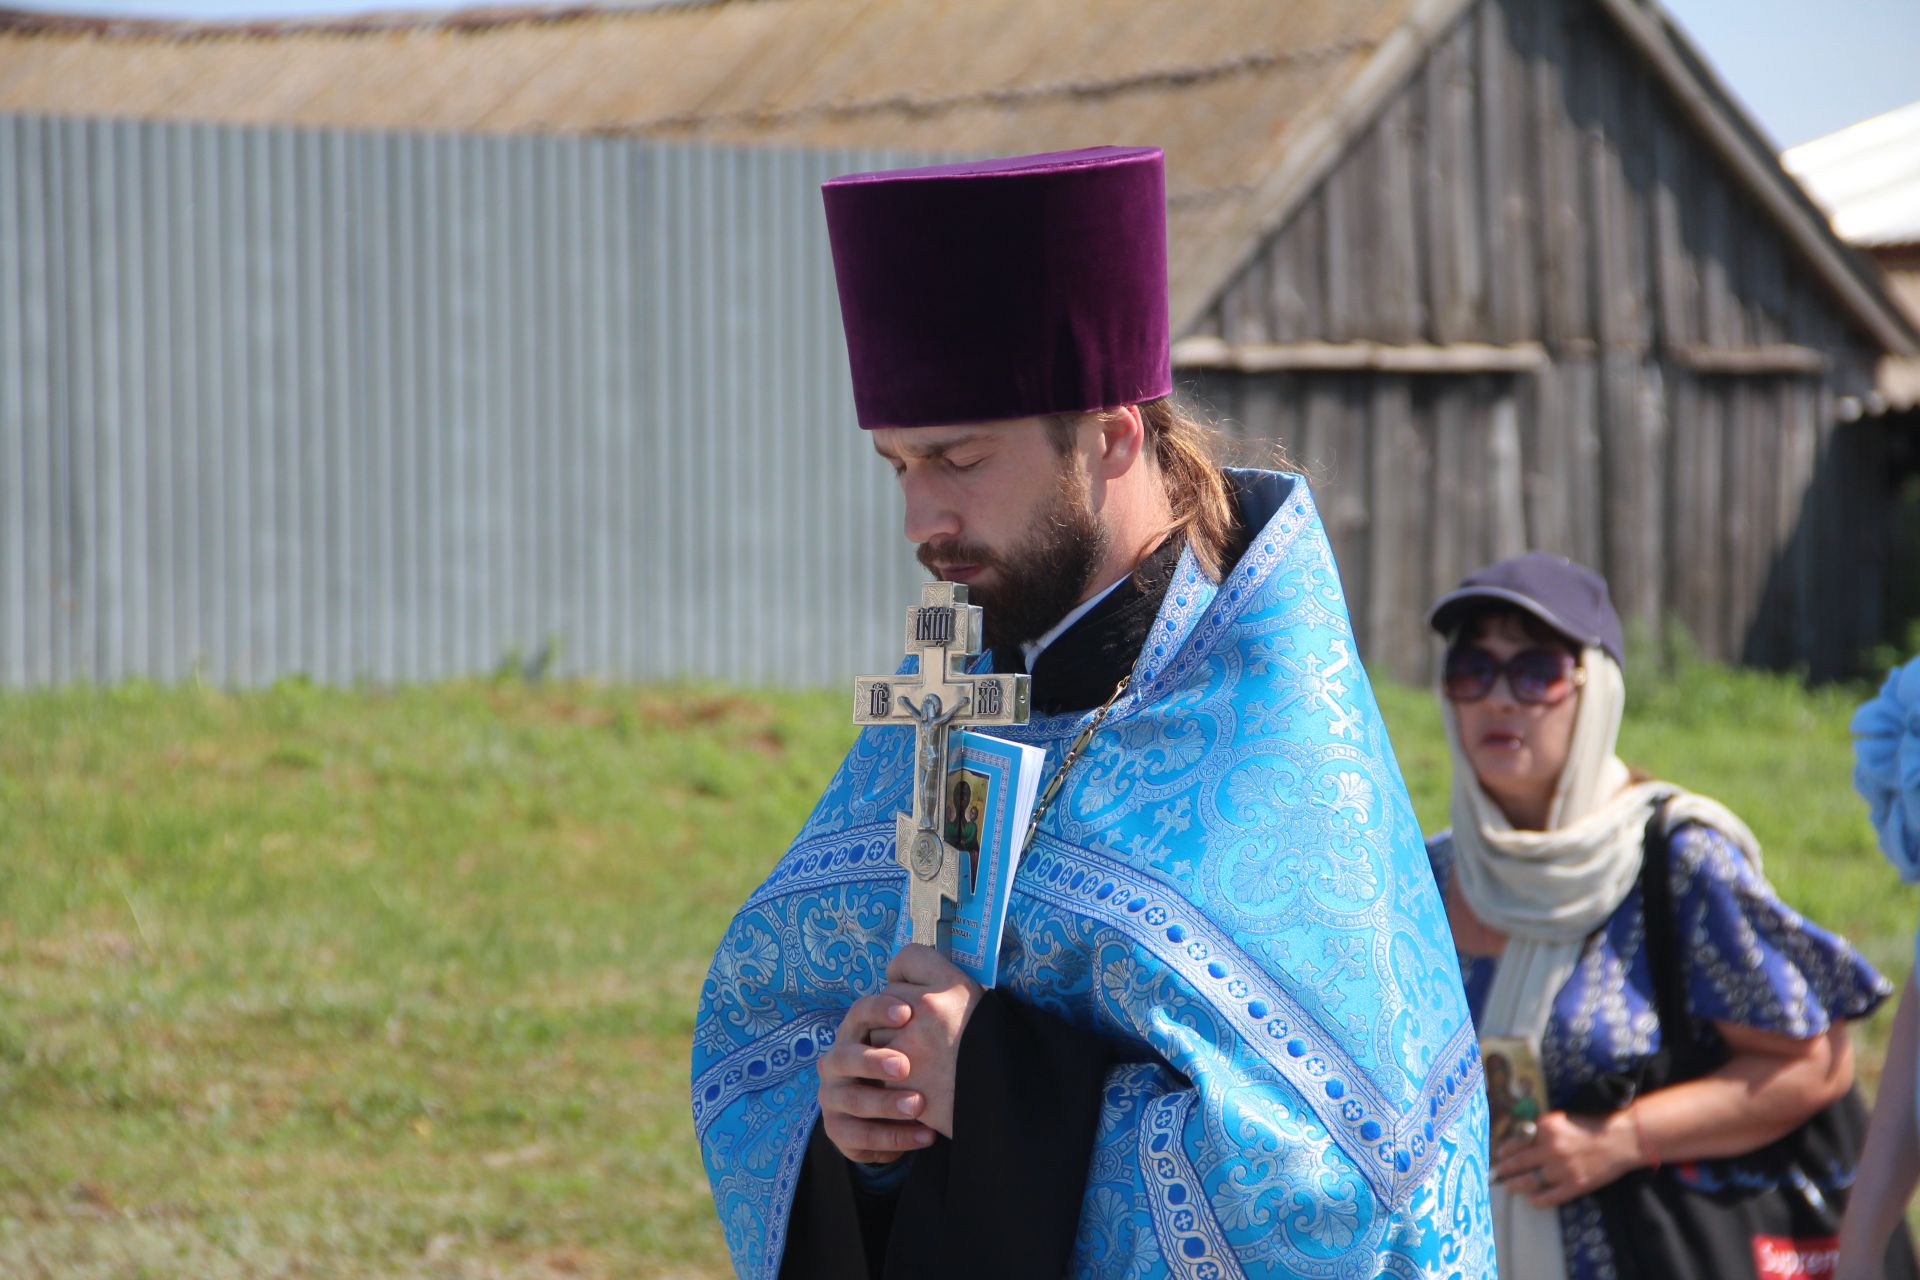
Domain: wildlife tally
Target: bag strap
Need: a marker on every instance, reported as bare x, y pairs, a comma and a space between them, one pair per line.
1663, 944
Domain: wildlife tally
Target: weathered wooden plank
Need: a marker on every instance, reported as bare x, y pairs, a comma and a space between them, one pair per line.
1507, 487
1503, 32
1340, 283
1606, 215
1254, 416
1883, 568
1352, 513
1438, 267
1775, 621
1633, 147
1876, 539
1798, 513
1469, 214
1721, 322
1297, 309
1737, 524
1673, 270
1559, 89
1242, 313
1768, 626
1810, 320
1263, 417
1453, 525
1614, 132
1707, 581
1206, 352
1470, 401
1818, 617
1805, 321
1737, 517
1323, 411
1283, 432
1634, 414
1835, 607
1653, 428
1211, 322
1743, 599
1290, 288
1214, 397
1763, 280
1337, 407
1854, 365
1581, 403
1392, 251
1687, 554
1399, 499
1359, 175
1547, 456
1778, 358
1455, 230
1778, 487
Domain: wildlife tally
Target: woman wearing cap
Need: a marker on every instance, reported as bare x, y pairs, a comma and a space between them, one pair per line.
1541, 878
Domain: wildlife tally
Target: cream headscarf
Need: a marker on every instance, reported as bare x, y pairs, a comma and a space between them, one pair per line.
1549, 891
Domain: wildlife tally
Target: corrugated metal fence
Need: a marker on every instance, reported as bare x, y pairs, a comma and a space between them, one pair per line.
396, 406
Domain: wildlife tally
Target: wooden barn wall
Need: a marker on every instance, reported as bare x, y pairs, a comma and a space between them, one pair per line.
1533, 184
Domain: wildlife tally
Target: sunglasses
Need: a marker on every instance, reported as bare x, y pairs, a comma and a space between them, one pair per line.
1538, 677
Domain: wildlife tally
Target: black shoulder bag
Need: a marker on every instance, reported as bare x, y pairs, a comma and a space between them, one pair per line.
1772, 1214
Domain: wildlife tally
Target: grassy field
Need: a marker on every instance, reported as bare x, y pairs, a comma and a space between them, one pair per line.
381, 984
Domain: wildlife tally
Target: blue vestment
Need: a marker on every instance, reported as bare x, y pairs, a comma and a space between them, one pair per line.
1233, 887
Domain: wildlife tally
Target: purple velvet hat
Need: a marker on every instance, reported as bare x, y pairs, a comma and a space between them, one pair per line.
1004, 288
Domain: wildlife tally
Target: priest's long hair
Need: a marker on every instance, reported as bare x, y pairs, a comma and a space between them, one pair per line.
1189, 453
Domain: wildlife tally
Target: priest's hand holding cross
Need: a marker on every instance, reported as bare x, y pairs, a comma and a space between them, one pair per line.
887, 1084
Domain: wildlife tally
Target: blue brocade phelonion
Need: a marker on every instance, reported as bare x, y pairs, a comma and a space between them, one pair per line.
1066, 766
1887, 770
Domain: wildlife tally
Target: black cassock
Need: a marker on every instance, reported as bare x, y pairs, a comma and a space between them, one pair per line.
1004, 1199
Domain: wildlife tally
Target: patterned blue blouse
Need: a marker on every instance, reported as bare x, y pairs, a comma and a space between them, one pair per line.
1754, 961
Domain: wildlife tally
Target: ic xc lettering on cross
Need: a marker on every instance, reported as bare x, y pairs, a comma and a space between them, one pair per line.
943, 631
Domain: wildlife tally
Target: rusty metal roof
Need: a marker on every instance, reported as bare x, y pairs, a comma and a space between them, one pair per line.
1251, 99
1221, 86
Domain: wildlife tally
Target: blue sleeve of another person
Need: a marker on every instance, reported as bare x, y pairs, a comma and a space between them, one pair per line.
1752, 959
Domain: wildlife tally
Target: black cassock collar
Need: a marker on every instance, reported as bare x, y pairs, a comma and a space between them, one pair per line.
1079, 670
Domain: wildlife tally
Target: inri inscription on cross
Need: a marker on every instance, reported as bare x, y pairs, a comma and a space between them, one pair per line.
943, 631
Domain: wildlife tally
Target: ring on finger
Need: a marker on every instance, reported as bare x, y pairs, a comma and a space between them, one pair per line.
1540, 1179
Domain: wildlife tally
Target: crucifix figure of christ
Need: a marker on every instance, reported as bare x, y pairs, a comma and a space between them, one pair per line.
943, 631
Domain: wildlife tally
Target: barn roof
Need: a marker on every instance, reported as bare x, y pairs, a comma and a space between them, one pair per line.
1252, 100
1867, 176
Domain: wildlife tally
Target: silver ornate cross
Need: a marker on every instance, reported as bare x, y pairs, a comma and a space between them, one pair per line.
943, 631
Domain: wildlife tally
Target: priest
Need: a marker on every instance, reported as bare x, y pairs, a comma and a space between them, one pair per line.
1228, 1037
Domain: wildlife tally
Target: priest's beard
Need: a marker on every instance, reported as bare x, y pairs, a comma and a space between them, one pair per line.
1041, 579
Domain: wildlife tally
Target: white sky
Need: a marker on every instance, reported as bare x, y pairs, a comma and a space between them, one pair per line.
1803, 67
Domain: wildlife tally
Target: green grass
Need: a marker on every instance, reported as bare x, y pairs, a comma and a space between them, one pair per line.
310, 982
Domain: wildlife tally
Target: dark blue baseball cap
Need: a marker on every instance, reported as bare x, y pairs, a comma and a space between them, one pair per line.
1569, 597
